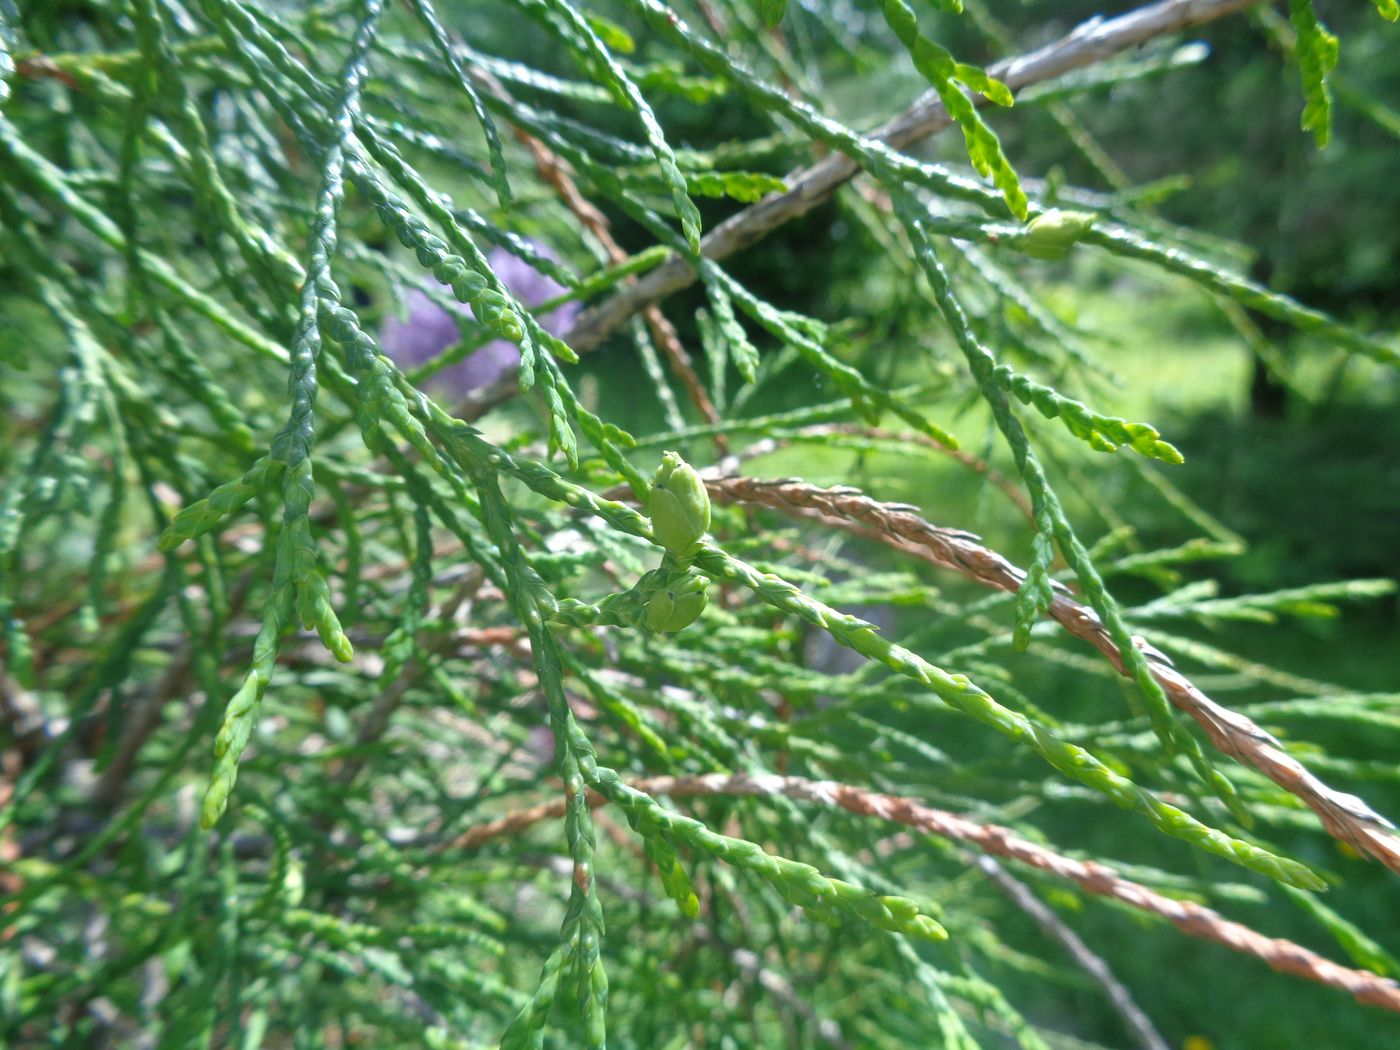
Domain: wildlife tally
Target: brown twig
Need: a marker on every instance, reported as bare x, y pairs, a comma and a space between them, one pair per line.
1138, 1022
1345, 816
1193, 919
39, 67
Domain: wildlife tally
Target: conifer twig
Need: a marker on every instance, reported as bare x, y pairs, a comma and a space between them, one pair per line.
1345, 816
1191, 918
953, 690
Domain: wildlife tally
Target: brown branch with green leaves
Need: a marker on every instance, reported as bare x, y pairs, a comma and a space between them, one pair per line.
1191, 918
1345, 816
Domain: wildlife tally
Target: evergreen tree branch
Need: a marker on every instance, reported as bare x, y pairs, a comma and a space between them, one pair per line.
1090, 43
957, 691
1190, 918
1345, 816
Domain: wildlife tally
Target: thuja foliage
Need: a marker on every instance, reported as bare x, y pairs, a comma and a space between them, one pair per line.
369, 684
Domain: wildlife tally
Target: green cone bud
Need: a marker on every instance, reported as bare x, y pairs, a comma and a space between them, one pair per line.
676, 604
679, 505
1052, 235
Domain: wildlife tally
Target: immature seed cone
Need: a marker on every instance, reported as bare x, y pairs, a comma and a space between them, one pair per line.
679, 505
1052, 235
676, 604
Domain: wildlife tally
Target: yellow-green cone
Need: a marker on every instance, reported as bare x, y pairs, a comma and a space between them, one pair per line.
1052, 235
679, 505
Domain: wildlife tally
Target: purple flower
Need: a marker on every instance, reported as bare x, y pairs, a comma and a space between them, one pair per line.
428, 329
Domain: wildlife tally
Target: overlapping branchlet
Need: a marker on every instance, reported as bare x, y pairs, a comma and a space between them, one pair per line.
1345, 816
1087, 44
1191, 918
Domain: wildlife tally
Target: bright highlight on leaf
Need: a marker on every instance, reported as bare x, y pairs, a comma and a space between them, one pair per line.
1316, 54
743, 186
939, 69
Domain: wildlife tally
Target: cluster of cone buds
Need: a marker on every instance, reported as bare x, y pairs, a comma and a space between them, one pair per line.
677, 602
679, 508
672, 596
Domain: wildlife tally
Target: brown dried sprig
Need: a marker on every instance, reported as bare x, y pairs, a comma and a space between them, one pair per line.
1193, 919
1345, 816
